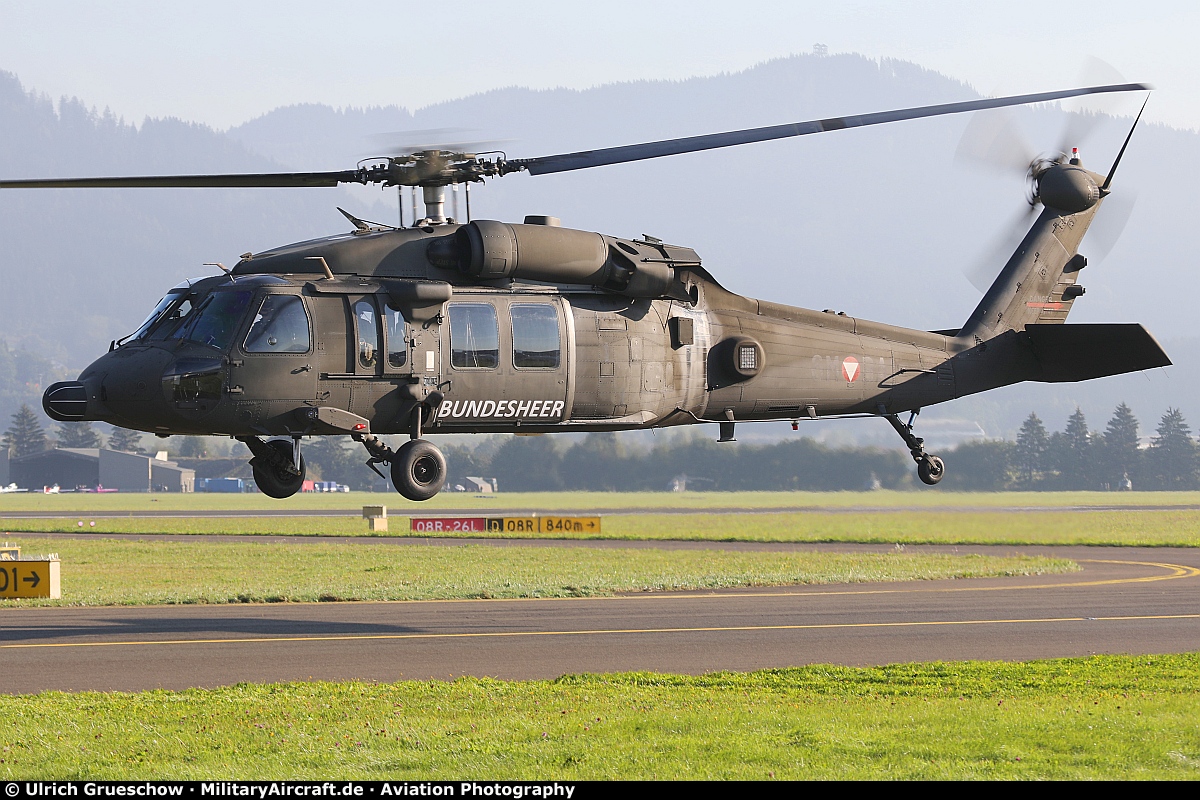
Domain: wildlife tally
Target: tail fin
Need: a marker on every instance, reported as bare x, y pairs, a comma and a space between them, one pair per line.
1036, 285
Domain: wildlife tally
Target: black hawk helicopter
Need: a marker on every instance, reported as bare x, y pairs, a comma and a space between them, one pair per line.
498, 327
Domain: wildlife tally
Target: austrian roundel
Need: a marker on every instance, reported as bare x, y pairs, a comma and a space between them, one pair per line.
850, 369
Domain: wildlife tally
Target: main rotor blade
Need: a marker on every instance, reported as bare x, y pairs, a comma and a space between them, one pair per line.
669, 147
265, 179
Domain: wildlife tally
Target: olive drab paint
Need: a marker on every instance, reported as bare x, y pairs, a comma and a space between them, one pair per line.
487, 326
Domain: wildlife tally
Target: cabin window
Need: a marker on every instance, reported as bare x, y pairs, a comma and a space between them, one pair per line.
535, 335
367, 323
280, 326
474, 336
397, 338
213, 323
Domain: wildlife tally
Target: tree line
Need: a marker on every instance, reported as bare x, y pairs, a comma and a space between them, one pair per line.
1076, 458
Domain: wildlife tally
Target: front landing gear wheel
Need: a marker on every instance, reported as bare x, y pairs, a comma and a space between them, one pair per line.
277, 480
418, 470
930, 470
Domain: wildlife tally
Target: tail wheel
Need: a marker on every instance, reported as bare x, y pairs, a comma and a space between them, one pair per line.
930, 470
276, 481
418, 470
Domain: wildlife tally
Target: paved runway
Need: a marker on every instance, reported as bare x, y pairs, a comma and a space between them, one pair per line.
1126, 600
421, 511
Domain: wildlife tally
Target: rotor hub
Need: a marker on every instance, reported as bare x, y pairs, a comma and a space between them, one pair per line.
1067, 187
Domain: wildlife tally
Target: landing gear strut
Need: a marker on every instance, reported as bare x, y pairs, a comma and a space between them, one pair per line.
930, 468
278, 465
418, 468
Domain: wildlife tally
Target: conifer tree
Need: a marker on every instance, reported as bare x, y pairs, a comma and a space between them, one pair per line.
1172, 461
77, 434
1074, 454
1120, 457
1030, 452
25, 435
125, 440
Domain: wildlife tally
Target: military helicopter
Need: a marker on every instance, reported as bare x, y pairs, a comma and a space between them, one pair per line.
486, 326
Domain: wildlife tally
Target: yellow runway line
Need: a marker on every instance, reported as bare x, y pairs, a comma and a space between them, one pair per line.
606, 632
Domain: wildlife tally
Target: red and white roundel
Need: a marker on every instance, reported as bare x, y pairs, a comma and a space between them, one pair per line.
850, 368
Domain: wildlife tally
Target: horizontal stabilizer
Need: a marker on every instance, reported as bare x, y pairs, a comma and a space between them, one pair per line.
1081, 352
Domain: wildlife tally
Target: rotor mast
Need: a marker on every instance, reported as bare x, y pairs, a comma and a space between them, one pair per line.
435, 205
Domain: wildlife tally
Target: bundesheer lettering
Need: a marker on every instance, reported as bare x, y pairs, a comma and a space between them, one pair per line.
501, 409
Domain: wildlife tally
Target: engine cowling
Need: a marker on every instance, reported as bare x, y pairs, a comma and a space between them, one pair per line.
491, 250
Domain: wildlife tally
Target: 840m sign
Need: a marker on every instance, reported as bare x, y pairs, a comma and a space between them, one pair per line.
537, 524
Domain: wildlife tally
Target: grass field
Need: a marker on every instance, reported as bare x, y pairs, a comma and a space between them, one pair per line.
552, 501
108, 572
1106, 717
1174, 528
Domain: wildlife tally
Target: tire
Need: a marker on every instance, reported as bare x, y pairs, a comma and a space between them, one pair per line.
931, 470
275, 482
418, 470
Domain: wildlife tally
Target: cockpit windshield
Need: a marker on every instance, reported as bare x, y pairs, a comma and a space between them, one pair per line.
173, 307
169, 300
215, 320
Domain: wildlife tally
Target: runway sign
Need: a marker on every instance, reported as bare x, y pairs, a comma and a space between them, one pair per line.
505, 524
30, 579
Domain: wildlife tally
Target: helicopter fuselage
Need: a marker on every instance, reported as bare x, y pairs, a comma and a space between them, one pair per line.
509, 357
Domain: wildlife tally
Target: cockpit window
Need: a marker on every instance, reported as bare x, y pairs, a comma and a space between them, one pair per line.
397, 337
368, 333
172, 307
213, 323
280, 326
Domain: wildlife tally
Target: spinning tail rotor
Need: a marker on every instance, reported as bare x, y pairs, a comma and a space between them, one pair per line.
1055, 179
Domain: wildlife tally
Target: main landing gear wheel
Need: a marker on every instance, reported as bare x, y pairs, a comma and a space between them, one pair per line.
930, 470
279, 479
418, 470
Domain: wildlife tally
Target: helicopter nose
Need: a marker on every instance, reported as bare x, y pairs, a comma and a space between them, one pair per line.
73, 401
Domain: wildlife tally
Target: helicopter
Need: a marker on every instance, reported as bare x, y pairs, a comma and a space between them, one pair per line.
484, 326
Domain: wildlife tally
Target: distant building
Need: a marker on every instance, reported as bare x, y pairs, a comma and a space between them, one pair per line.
92, 467
475, 485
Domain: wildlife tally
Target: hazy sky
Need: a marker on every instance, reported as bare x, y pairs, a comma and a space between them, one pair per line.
223, 62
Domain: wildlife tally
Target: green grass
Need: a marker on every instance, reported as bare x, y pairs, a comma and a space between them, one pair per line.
107, 572
1173, 528
552, 501
1105, 717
